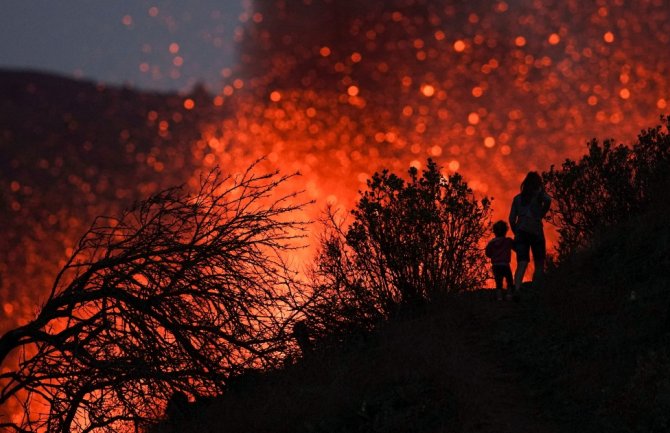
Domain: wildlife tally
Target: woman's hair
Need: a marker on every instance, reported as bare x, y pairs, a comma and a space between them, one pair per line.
530, 186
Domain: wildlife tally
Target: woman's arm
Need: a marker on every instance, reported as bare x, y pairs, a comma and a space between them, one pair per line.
513, 215
545, 203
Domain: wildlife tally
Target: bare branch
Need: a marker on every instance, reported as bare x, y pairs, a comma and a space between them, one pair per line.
177, 294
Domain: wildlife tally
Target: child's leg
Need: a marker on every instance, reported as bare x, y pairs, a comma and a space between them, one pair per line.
498, 275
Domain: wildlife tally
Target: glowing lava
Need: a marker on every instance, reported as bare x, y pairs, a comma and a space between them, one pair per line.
338, 90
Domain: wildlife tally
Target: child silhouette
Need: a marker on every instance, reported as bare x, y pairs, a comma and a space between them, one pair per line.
499, 250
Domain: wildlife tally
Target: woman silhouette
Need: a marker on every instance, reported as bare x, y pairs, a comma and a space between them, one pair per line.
525, 220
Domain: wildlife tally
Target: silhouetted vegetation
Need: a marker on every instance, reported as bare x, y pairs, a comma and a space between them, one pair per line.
590, 349
594, 343
607, 186
173, 297
409, 242
187, 296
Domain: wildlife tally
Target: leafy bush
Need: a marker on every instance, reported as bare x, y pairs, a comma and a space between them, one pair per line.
409, 242
607, 186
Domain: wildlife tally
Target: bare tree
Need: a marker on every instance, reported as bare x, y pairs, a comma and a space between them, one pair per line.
174, 296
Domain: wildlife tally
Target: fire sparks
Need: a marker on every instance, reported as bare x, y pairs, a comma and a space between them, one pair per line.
189, 103
338, 90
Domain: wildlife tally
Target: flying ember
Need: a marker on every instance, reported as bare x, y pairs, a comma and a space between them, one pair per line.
336, 91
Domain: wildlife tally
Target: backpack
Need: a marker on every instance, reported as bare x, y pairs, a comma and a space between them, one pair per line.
529, 219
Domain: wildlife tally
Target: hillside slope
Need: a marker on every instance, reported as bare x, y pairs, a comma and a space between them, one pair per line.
578, 355
432, 373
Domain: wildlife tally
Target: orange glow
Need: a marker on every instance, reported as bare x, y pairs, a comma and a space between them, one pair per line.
8, 308
427, 90
400, 87
189, 104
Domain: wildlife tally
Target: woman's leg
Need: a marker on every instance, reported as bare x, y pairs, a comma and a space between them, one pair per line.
538, 275
539, 248
518, 275
509, 279
522, 249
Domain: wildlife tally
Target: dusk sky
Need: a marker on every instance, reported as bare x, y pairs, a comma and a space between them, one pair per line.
122, 41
